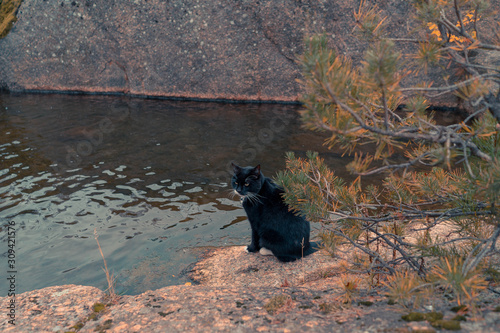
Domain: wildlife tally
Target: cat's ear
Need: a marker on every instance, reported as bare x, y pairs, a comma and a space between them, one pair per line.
236, 169
256, 170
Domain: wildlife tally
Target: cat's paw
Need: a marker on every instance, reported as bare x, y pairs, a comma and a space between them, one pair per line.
251, 248
266, 252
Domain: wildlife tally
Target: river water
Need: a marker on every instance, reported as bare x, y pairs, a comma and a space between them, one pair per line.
149, 176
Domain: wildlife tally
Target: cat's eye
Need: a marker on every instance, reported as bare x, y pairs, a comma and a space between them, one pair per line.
246, 184
235, 183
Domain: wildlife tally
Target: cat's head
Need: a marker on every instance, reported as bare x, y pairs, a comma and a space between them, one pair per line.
246, 180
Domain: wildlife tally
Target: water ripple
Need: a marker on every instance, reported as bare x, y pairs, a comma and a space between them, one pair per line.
149, 175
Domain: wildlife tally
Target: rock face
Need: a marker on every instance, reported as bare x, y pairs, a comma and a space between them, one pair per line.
221, 49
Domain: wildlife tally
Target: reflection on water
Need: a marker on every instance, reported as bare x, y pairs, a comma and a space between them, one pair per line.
151, 176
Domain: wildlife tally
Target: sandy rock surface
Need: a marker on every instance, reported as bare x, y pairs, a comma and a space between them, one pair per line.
233, 266
49, 309
233, 291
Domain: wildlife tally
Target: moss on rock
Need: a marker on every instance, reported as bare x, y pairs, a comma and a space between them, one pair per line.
451, 325
414, 316
417, 316
276, 302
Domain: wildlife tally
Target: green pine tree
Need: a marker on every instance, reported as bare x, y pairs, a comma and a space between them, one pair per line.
449, 209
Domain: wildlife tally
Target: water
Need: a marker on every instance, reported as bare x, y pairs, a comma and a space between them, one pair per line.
150, 176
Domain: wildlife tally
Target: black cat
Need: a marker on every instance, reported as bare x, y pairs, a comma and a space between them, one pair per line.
275, 229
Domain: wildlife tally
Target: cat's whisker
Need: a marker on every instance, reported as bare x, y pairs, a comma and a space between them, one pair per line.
232, 193
254, 198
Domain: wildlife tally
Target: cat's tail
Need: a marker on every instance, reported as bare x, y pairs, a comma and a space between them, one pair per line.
313, 247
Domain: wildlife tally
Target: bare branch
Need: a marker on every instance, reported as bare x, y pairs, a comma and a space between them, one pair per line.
450, 88
474, 259
394, 166
364, 249
396, 247
459, 17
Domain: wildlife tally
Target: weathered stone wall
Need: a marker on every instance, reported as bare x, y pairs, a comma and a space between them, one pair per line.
220, 49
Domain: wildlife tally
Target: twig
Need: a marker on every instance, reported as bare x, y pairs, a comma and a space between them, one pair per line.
392, 245
473, 260
394, 166
451, 87
371, 253
459, 17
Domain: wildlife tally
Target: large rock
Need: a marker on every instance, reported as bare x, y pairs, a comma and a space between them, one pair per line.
221, 49
51, 309
239, 292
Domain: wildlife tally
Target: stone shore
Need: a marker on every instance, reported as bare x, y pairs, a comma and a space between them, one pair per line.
233, 291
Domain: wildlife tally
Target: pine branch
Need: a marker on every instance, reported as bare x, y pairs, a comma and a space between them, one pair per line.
430, 137
358, 104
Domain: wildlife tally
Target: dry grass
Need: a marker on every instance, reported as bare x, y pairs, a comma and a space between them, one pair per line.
465, 285
109, 276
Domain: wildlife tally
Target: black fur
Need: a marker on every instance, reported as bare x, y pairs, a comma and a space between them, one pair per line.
273, 225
